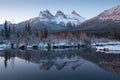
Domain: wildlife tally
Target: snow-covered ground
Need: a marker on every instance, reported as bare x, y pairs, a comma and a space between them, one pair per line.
108, 47
107, 43
40, 45
4, 46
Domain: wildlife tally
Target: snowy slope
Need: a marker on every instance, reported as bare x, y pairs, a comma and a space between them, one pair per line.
45, 15
54, 23
73, 18
104, 22
60, 18
113, 14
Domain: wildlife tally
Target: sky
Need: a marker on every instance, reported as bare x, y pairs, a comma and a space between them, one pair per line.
21, 10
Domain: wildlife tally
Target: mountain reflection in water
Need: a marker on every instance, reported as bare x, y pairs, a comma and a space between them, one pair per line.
45, 59
60, 59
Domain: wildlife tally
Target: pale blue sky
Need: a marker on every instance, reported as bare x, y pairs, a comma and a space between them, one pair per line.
20, 10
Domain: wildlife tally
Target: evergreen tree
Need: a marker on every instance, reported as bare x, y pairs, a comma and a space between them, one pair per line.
45, 32
42, 34
27, 29
6, 30
9, 32
18, 34
2, 32
13, 30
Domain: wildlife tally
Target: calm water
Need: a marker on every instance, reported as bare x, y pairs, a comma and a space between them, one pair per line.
58, 65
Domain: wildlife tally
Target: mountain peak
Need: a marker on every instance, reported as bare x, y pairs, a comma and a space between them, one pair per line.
60, 13
45, 14
112, 11
74, 13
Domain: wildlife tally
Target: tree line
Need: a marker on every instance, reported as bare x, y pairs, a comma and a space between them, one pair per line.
8, 31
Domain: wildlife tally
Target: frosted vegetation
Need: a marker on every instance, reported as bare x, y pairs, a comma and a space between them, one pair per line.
42, 39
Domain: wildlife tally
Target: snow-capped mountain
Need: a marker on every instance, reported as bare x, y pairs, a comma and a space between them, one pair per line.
113, 13
45, 15
60, 14
61, 18
73, 18
107, 21
53, 23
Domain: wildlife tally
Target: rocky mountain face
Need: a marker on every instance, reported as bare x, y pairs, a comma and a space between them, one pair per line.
53, 23
113, 13
106, 21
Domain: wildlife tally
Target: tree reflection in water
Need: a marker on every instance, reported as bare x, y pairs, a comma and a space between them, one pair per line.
66, 58
8, 57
